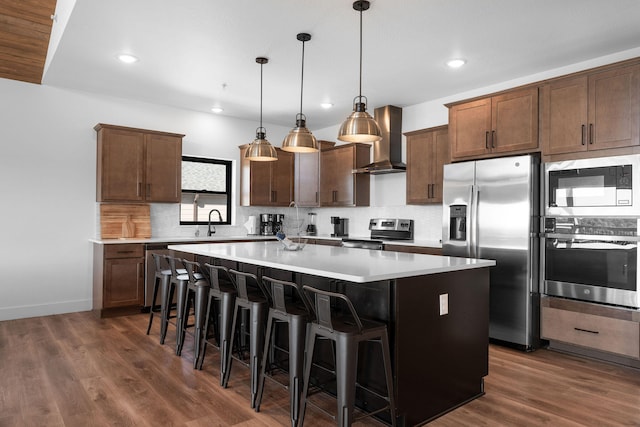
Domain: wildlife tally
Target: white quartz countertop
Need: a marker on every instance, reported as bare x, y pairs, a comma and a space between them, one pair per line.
335, 262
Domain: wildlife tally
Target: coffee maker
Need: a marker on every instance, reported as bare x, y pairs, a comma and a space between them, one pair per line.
266, 224
340, 226
278, 222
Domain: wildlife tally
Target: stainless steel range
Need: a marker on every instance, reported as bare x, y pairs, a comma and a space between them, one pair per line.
383, 229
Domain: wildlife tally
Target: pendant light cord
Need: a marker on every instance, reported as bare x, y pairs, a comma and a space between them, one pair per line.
360, 93
302, 78
261, 96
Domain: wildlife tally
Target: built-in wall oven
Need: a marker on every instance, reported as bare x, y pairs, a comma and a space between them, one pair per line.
591, 229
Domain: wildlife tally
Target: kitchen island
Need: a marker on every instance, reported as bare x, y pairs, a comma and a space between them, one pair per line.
436, 309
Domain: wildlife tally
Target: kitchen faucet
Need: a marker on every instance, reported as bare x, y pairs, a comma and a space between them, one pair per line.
295, 205
211, 231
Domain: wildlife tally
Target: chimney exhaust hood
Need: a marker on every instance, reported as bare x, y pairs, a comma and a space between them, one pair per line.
387, 153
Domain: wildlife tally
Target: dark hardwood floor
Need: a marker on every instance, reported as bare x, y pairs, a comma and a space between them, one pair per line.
76, 370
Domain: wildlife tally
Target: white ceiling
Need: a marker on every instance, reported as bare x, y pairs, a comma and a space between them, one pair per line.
199, 53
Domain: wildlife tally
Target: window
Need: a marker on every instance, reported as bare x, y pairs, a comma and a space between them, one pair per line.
206, 190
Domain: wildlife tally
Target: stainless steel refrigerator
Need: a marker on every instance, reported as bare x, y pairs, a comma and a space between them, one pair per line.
491, 211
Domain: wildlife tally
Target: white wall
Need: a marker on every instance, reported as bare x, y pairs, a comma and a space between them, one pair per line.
47, 182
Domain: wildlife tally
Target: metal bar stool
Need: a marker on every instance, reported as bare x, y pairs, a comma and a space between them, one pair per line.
162, 278
219, 314
295, 311
253, 298
197, 291
177, 285
347, 330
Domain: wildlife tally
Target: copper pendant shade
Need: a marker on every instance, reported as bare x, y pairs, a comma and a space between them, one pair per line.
300, 139
360, 126
260, 149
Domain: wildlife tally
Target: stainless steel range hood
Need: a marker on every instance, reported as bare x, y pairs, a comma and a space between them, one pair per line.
387, 153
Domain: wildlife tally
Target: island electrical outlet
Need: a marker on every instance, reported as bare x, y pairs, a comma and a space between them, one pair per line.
444, 304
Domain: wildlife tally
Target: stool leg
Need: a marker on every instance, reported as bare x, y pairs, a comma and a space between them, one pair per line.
308, 361
156, 285
297, 332
199, 307
207, 322
265, 356
226, 350
386, 358
182, 290
167, 297
226, 329
346, 371
256, 330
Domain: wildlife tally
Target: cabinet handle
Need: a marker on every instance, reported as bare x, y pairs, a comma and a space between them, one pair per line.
316, 197
334, 195
586, 330
582, 135
139, 190
148, 190
486, 140
124, 252
493, 139
274, 196
590, 133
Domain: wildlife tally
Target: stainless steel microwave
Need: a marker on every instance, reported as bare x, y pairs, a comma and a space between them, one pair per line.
603, 186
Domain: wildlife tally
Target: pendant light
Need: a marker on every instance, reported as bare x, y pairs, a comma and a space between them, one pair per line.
360, 126
299, 139
260, 149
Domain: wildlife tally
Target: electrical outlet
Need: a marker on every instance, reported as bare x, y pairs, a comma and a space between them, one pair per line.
444, 304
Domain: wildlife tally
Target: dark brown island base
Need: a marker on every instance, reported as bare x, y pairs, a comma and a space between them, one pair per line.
436, 309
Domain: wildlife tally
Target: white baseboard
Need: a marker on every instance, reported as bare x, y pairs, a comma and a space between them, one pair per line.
21, 312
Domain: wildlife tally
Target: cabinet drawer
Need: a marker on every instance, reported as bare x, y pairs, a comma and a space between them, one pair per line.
131, 250
602, 333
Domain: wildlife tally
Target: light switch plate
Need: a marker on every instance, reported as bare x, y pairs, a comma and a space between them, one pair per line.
444, 304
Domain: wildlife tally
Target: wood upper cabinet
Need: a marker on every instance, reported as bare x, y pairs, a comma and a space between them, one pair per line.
266, 183
505, 123
596, 111
137, 165
307, 176
339, 186
427, 153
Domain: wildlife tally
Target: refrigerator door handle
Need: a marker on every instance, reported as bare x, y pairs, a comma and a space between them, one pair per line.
471, 241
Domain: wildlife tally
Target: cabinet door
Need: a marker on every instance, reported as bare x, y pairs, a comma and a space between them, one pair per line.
307, 179
328, 177
419, 172
282, 179
614, 108
124, 282
564, 116
344, 181
120, 165
260, 183
163, 168
470, 128
514, 121
440, 156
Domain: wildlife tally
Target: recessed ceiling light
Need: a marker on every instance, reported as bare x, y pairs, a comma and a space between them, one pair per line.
217, 110
127, 58
326, 105
456, 63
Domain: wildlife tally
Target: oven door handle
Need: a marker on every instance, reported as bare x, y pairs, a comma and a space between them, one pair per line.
599, 237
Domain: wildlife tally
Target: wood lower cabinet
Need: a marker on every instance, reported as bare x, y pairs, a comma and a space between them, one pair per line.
595, 111
137, 165
266, 183
339, 186
427, 153
591, 326
501, 124
307, 176
118, 278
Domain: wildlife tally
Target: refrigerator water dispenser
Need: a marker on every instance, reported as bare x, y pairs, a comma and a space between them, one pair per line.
458, 222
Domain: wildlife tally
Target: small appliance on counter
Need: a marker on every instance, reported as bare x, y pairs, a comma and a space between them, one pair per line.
252, 225
340, 226
266, 224
311, 226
